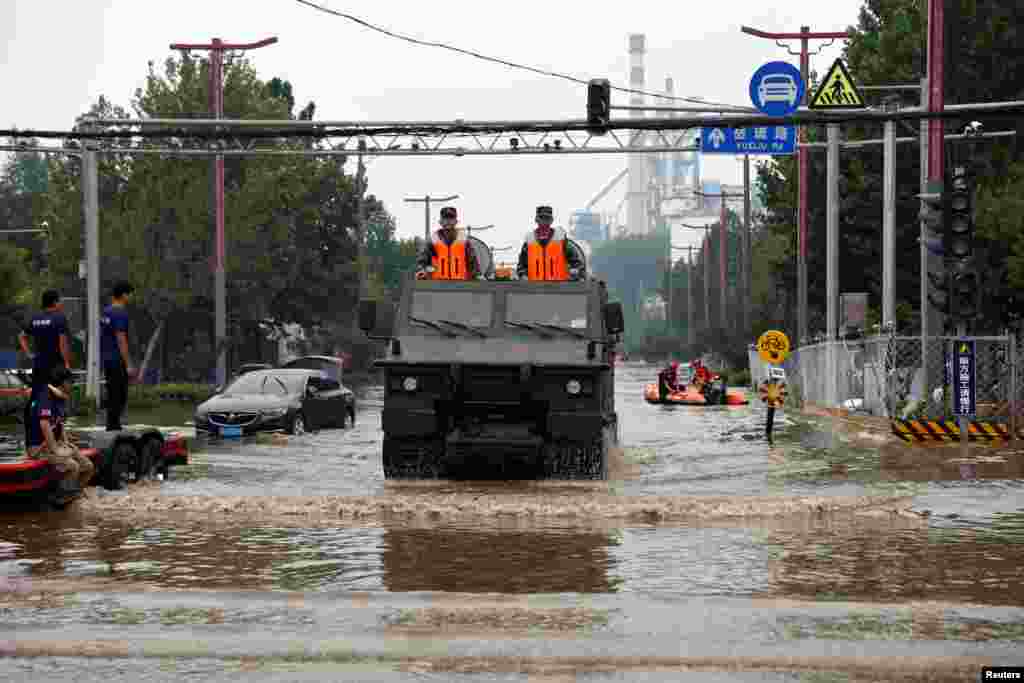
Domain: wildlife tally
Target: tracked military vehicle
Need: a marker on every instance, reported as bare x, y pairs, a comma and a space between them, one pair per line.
509, 379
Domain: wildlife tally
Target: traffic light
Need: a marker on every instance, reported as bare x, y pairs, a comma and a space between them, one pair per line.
599, 102
940, 300
959, 233
932, 215
966, 295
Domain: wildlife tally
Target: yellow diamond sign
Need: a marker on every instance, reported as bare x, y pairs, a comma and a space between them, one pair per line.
773, 347
837, 91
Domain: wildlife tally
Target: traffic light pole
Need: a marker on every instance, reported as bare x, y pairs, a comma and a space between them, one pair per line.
889, 226
803, 163
832, 264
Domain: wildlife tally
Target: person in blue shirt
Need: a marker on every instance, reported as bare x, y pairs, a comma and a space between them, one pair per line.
117, 361
48, 331
46, 437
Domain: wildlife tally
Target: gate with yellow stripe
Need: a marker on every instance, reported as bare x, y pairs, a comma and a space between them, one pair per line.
921, 431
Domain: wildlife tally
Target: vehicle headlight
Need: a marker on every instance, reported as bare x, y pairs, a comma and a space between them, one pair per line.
573, 386
410, 383
274, 412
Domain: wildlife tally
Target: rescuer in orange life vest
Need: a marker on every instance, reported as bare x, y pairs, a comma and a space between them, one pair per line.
449, 258
546, 254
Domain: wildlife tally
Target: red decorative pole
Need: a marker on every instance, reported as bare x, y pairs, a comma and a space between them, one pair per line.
936, 91
217, 48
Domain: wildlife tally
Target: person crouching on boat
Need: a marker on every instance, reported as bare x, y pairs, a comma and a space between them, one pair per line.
668, 380
701, 376
48, 440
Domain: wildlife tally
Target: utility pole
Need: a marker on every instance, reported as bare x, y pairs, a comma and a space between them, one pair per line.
426, 199
930, 319
936, 91
723, 245
832, 264
747, 250
889, 222
671, 268
361, 222
668, 293
707, 270
691, 332
90, 209
804, 36
707, 280
217, 48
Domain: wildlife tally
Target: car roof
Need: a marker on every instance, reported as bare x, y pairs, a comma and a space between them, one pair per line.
330, 358
286, 371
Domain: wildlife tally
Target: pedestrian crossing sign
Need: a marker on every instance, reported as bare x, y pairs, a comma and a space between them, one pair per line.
837, 90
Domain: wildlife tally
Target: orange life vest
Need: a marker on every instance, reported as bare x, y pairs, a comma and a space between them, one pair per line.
547, 262
449, 260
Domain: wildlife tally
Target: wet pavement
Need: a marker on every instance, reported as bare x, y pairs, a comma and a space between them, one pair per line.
709, 555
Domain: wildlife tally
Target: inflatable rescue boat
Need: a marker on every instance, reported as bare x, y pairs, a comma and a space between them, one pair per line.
119, 457
691, 397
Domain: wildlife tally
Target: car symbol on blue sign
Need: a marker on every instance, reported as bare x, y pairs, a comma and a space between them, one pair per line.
777, 89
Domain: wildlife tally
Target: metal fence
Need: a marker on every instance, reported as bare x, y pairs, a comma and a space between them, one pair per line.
884, 376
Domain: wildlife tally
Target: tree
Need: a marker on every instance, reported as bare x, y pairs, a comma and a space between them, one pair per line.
290, 221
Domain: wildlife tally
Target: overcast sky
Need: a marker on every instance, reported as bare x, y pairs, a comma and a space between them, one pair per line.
58, 56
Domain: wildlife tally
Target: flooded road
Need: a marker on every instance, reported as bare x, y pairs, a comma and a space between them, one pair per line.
709, 555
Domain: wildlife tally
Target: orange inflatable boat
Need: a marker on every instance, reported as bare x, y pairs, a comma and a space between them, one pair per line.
691, 397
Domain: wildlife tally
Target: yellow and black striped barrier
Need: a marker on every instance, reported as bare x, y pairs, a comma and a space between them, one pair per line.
920, 431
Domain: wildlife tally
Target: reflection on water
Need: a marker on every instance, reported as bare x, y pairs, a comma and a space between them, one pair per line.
471, 561
850, 560
957, 564
309, 559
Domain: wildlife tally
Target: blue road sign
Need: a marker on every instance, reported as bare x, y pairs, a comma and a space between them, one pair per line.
750, 140
964, 380
777, 89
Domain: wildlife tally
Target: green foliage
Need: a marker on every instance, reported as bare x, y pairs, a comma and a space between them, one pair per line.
1000, 217
887, 45
14, 276
147, 395
27, 173
389, 259
290, 221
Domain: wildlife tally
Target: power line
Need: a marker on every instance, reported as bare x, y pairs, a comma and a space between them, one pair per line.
503, 62
228, 131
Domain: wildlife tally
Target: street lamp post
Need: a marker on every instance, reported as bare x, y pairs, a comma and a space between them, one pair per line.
480, 228
217, 48
426, 199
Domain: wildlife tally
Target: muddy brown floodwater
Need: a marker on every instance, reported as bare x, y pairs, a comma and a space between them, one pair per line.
835, 555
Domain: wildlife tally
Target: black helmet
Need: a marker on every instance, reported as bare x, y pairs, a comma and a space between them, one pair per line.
545, 213
449, 212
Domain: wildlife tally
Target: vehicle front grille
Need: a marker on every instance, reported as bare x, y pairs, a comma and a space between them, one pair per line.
241, 419
492, 384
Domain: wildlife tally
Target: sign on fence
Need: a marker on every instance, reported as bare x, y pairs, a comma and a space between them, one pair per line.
854, 307
963, 365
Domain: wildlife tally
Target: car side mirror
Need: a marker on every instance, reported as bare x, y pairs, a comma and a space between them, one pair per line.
613, 320
376, 320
